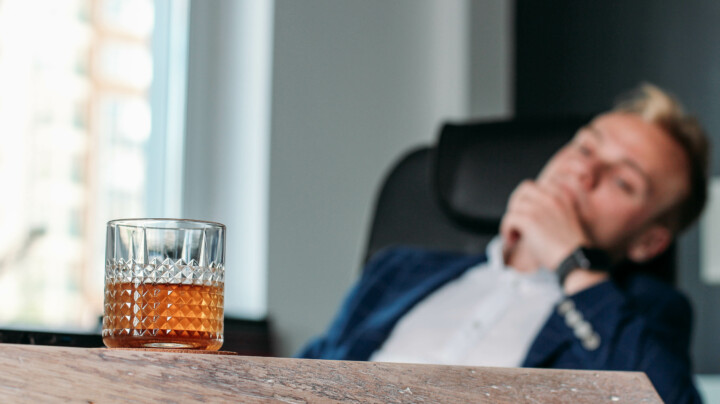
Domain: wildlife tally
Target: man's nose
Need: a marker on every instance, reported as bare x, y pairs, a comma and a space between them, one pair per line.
588, 172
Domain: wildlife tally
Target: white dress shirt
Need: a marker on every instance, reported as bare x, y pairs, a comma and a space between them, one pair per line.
487, 317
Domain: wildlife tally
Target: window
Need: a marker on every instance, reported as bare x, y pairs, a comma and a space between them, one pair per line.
83, 97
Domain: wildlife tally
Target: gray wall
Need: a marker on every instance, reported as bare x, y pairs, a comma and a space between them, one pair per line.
355, 84
578, 56
491, 58
226, 145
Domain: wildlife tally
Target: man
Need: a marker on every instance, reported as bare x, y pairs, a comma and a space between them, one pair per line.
543, 296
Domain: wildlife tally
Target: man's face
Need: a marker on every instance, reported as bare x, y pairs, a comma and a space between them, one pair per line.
622, 173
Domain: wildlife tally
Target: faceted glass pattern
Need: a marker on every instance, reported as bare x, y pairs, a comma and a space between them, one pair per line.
178, 301
169, 303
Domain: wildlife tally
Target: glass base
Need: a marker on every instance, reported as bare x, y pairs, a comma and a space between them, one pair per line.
167, 345
163, 343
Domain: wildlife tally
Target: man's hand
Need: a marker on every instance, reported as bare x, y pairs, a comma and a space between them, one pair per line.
542, 222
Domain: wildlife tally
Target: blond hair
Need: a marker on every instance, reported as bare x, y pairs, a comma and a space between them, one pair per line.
657, 106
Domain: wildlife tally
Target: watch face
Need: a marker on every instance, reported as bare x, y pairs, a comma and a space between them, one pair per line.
588, 258
580, 259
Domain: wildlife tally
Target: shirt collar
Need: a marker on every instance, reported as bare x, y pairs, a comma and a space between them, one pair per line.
494, 252
496, 261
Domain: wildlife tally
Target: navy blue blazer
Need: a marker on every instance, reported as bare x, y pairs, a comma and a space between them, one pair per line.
645, 326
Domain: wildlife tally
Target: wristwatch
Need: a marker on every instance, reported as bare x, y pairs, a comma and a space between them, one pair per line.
584, 257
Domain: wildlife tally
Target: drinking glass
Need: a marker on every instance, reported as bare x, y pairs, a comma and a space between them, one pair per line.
164, 284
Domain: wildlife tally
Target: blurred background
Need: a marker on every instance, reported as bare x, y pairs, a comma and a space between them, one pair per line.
279, 118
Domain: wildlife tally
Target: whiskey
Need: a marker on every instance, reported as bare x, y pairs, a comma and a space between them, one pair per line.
157, 315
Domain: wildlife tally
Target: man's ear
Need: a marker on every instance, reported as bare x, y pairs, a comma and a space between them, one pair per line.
649, 243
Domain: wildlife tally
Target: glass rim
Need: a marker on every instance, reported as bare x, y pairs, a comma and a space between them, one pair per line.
147, 223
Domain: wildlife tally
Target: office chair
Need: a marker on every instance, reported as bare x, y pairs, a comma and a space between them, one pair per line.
451, 196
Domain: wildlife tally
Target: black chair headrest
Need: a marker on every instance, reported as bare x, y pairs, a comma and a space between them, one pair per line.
477, 166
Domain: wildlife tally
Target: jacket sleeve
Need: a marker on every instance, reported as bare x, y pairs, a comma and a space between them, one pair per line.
326, 346
646, 328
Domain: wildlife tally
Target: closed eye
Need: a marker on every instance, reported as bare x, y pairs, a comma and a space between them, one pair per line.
624, 185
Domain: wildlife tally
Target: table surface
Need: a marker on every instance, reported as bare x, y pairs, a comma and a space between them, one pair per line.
31, 373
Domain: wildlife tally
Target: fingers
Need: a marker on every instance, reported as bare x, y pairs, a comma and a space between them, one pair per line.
509, 234
531, 199
509, 229
540, 210
564, 192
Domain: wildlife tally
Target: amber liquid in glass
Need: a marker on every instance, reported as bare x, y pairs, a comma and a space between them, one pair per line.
147, 315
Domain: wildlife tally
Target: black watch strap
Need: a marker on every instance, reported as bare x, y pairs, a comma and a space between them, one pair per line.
584, 257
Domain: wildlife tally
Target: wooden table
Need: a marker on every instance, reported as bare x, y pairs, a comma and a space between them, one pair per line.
30, 373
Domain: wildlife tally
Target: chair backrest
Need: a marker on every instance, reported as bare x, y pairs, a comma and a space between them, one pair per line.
451, 196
